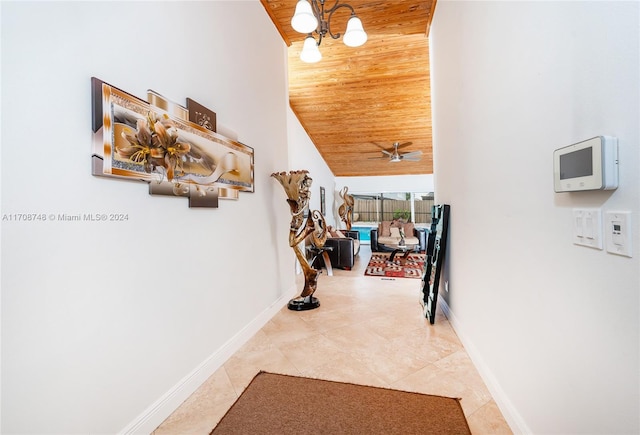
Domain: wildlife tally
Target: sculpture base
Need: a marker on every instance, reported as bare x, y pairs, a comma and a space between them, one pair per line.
303, 304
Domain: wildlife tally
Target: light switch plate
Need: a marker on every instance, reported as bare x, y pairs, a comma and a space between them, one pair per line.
617, 229
587, 227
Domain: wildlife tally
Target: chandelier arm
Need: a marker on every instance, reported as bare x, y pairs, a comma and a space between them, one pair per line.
323, 26
318, 11
332, 8
331, 11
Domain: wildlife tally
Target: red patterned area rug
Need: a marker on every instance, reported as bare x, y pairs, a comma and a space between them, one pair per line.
410, 267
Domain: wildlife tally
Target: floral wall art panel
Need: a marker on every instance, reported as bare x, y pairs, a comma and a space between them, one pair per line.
136, 140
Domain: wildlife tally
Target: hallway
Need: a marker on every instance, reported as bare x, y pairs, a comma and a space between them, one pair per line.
367, 331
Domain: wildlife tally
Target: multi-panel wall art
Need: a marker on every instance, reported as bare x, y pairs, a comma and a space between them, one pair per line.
173, 148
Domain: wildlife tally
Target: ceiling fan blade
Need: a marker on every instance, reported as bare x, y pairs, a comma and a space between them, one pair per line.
404, 144
384, 150
410, 159
378, 145
412, 154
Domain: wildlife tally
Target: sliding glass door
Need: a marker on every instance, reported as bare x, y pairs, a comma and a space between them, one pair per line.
376, 207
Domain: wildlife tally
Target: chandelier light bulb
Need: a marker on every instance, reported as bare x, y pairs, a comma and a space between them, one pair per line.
355, 35
310, 52
304, 21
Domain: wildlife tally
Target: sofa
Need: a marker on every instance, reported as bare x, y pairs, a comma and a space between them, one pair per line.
343, 246
388, 232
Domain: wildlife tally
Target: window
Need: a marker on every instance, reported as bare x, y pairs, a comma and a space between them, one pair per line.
423, 203
376, 207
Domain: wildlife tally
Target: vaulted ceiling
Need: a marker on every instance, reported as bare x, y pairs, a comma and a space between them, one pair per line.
356, 101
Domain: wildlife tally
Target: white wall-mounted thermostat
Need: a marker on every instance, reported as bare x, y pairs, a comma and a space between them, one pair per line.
588, 165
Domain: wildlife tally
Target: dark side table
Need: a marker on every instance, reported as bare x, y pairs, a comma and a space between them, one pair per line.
397, 249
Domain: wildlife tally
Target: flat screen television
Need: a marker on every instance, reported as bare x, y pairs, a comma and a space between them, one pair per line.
588, 165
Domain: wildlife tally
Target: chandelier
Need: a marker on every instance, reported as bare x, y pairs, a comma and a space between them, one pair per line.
310, 17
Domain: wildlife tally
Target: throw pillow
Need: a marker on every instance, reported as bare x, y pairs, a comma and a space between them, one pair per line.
340, 234
408, 229
395, 232
384, 229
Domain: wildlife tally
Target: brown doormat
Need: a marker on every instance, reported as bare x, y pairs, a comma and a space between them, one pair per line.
282, 404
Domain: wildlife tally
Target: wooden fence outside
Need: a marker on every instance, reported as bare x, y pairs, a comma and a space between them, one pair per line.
377, 210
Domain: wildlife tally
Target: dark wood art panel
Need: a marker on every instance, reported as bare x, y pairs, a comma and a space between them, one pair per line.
436, 251
198, 114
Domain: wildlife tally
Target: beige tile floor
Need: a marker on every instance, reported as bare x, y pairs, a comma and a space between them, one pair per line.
367, 331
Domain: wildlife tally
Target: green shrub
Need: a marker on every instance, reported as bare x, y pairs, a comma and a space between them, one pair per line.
402, 214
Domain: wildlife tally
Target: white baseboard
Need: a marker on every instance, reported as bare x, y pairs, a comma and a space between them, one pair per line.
510, 413
158, 412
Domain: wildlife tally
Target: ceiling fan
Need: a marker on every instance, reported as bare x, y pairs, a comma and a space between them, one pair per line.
394, 156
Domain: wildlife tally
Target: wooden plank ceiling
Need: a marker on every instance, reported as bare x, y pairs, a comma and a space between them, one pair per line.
378, 93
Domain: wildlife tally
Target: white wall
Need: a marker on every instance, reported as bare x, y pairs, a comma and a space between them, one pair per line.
304, 155
553, 326
109, 326
387, 183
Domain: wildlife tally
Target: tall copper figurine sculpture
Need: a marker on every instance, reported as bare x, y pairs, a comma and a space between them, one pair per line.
297, 186
346, 209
